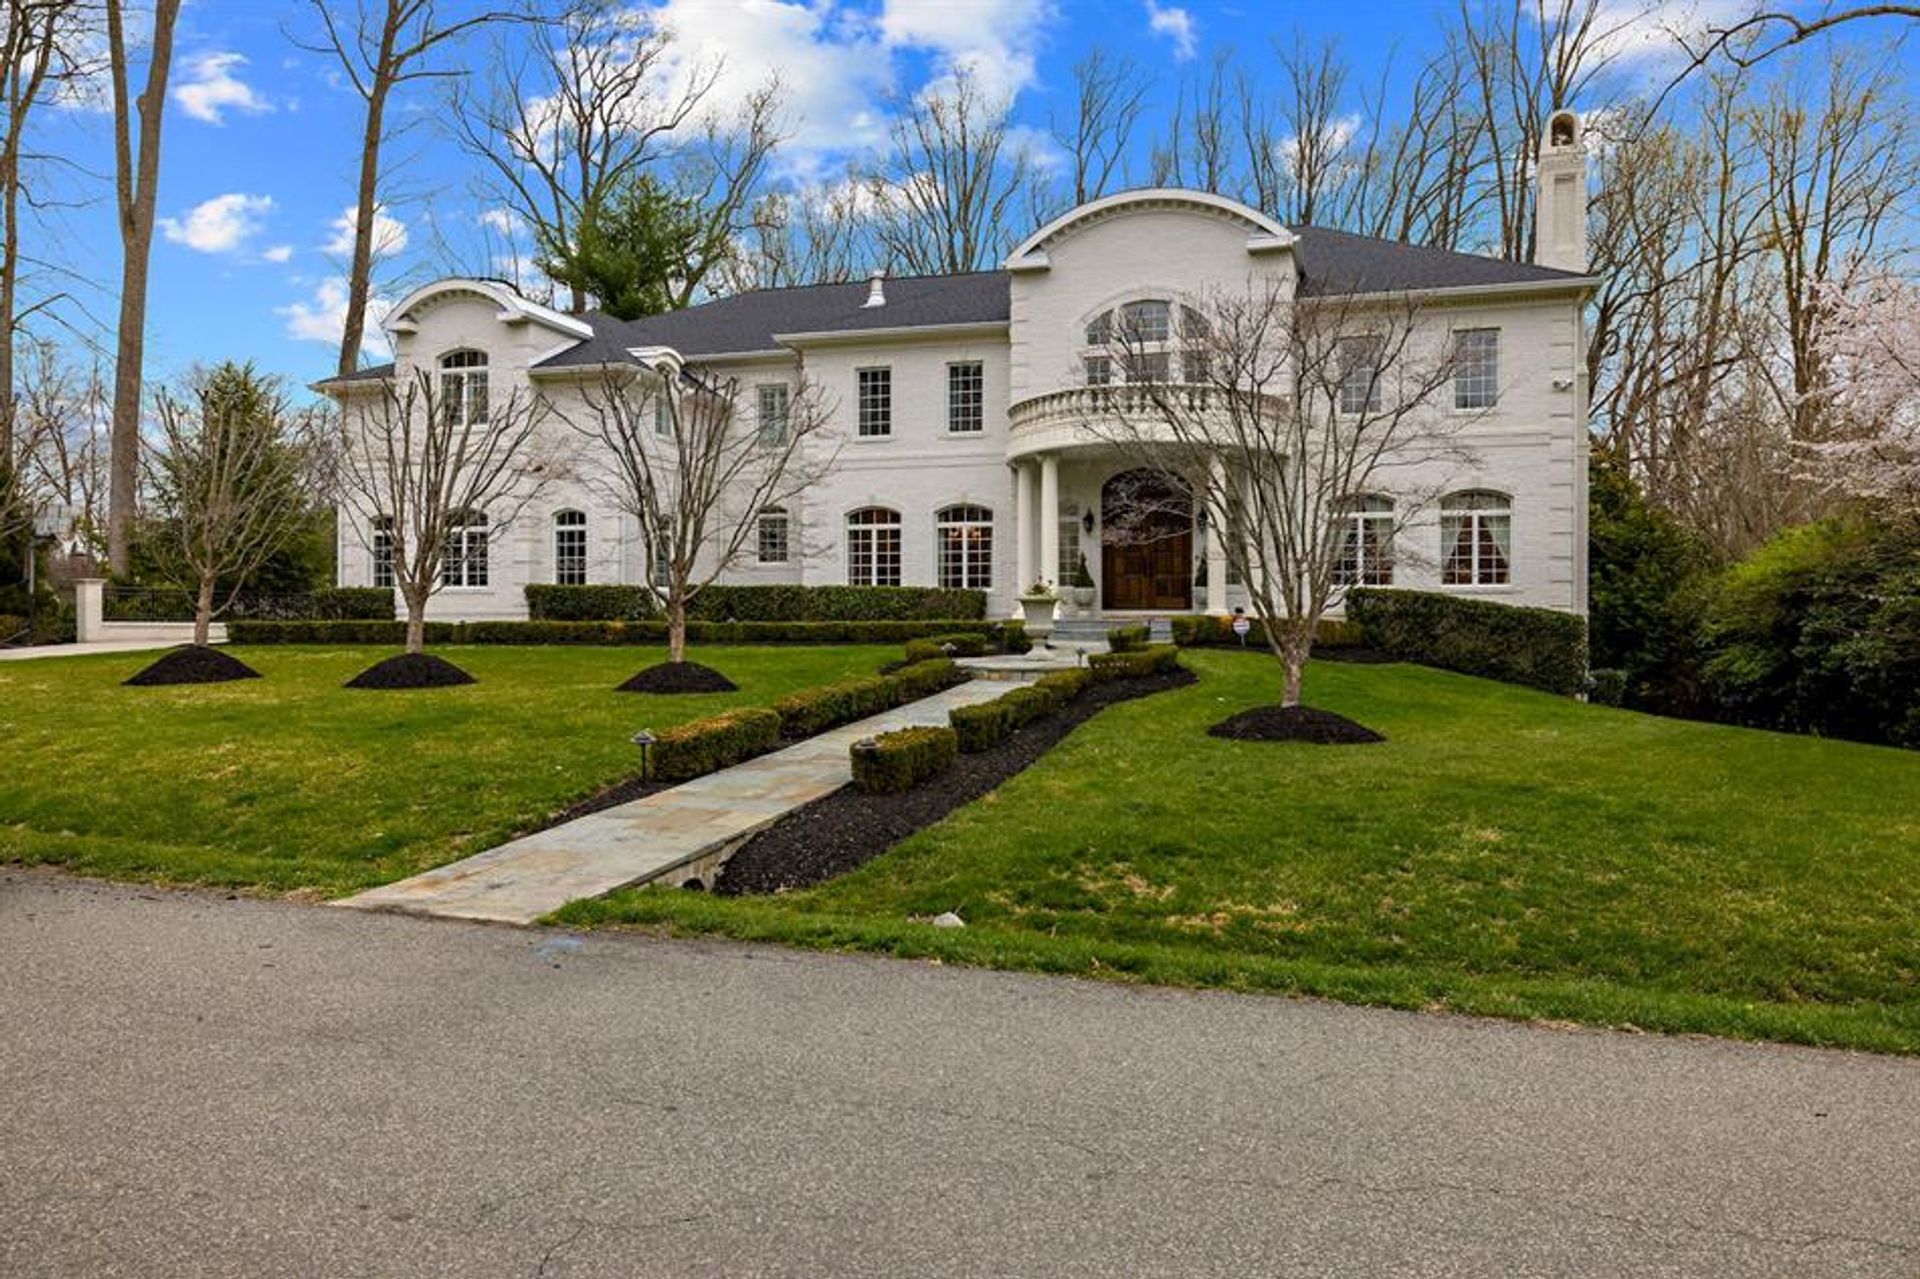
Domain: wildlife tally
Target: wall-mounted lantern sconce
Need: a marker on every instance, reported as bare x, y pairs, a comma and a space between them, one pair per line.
1086, 522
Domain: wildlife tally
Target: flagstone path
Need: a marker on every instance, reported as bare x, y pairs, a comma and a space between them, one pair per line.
672, 835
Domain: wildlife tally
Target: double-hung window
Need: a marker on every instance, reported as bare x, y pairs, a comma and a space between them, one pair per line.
1366, 543
1476, 536
570, 548
966, 398
875, 403
1476, 368
775, 402
873, 547
772, 531
966, 547
463, 387
465, 560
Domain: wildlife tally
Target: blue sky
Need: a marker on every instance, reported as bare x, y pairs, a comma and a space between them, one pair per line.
260, 145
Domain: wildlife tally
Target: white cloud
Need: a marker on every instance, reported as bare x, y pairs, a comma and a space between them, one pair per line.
389, 233
1650, 33
1339, 134
1177, 25
223, 224
503, 222
279, 253
211, 88
323, 317
997, 41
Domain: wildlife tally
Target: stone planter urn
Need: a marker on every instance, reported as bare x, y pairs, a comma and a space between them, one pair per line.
1081, 599
1037, 604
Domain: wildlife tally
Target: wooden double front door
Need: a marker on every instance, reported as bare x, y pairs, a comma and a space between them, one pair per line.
1146, 556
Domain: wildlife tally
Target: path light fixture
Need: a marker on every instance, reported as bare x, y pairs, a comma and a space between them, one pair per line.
948, 648
644, 739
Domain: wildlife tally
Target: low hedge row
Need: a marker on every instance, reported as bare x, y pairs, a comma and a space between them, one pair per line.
1537, 647
962, 644
1127, 639
725, 603
901, 760
986, 724
328, 604
994, 634
705, 745
1158, 659
814, 710
1193, 631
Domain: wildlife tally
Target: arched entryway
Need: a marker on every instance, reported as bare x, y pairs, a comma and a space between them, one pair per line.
1146, 542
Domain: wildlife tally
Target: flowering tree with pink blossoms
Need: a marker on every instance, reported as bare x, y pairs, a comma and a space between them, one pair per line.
1871, 336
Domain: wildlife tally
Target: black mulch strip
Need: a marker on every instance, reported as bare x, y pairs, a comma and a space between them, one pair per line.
411, 670
1294, 724
194, 664
679, 677
850, 827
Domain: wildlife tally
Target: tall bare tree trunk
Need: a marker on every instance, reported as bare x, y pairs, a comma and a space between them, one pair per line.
135, 184
203, 610
676, 629
366, 199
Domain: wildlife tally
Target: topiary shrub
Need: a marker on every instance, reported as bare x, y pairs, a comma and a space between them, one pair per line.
900, 760
720, 741
1537, 647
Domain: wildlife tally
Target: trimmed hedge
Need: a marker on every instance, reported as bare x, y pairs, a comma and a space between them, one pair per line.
981, 725
328, 604
901, 760
814, 710
726, 603
963, 643
986, 724
1156, 660
719, 741
1191, 631
1537, 647
543, 632
549, 603
1128, 639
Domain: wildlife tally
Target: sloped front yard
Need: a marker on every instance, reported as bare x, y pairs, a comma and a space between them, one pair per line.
293, 782
1503, 852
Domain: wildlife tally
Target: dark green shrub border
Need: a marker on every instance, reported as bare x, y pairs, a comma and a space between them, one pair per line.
902, 759
388, 633
814, 710
963, 644
1537, 647
725, 603
1194, 631
986, 724
1128, 639
1156, 660
980, 726
706, 745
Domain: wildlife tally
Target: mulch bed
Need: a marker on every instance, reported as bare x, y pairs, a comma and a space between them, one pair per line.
1294, 724
679, 677
194, 664
411, 670
850, 827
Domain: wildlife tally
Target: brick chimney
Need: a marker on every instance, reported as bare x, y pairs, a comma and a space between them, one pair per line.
1560, 212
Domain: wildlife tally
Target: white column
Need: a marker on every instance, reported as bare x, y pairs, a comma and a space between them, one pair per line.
1022, 529
1049, 518
89, 608
1216, 539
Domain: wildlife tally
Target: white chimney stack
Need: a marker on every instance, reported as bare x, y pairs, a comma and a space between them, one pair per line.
876, 290
1560, 211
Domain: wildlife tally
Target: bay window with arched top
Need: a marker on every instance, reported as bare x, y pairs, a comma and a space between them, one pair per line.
873, 547
1149, 344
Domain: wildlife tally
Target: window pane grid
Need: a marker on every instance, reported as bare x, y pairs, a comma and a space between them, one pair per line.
463, 561
1476, 371
383, 552
873, 547
966, 548
966, 398
1476, 531
775, 401
876, 402
1360, 375
570, 548
773, 537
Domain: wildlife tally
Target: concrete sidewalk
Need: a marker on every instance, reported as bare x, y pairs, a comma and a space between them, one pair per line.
674, 835
99, 646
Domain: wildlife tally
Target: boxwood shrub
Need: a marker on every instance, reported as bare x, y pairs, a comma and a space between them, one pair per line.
1127, 639
963, 643
980, 726
727, 603
1537, 647
1155, 660
1193, 631
719, 741
814, 710
901, 760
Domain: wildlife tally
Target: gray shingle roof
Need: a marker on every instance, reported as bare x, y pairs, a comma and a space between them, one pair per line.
749, 321
1341, 262
371, 373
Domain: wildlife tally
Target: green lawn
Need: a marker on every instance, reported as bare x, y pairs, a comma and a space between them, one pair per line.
1505, 852
292, 782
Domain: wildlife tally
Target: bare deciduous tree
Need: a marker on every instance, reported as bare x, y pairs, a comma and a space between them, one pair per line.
136, 181
226, 474
1288, 410
670, 446
383, 45
1110, 94
420, 461
947, 187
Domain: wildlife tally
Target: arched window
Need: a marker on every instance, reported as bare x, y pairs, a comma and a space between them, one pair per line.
873, 547
1366, 542
463, 387
773, 535
465, 561
570, 548
382, 547
1476, 538
1146, 340
965, 542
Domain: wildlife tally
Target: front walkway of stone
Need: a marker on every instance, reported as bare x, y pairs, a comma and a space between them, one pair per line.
673, 834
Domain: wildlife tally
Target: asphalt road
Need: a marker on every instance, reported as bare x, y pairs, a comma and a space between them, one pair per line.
191, 1085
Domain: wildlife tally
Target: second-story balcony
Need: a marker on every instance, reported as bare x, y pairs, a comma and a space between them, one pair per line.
1089, 416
